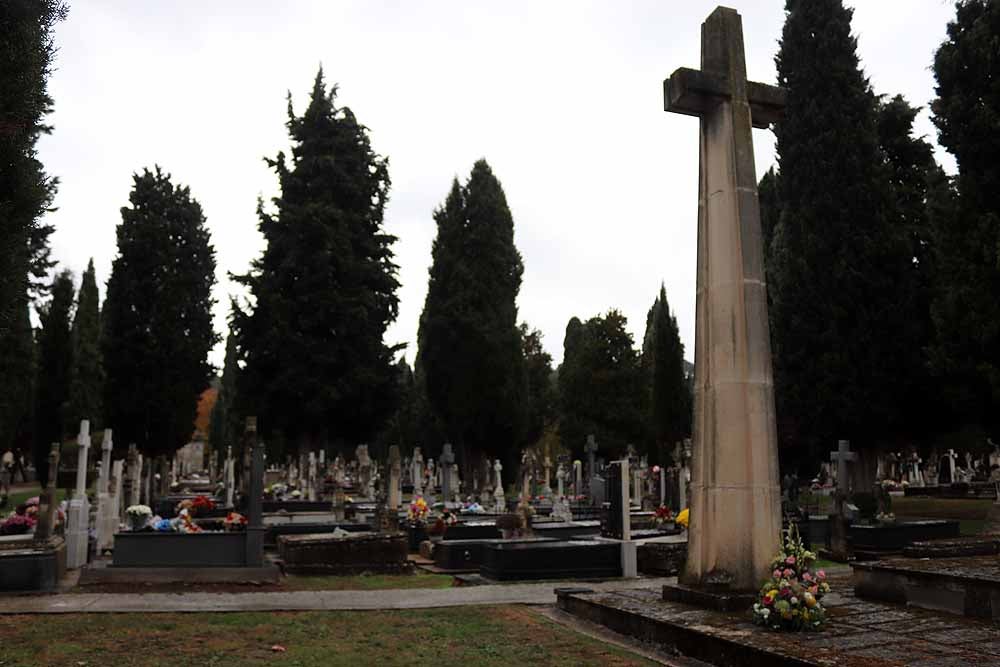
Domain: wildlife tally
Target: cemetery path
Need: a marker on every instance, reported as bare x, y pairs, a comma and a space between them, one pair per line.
420, 598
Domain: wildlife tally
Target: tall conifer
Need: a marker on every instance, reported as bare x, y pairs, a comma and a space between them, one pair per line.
55, 362
27, 50
668, 396
837, 262
470, 355
966, 309
87, 379
317, 368
158, 317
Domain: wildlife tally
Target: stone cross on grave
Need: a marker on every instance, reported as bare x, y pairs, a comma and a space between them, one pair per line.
735, 492
499, 499
591, 449
446, 460
841, 457
47, 500
395, 478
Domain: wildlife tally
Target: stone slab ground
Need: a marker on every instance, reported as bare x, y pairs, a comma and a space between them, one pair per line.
859, 634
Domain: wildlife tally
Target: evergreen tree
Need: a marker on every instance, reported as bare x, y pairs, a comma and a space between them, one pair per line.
668, 396
27, 51
966, 112
541, 408
224, 427
770, 208
87, 377
158, 317
838, 264
912, 170
324, 290
470, 352
17, 368
55, 363
601, 385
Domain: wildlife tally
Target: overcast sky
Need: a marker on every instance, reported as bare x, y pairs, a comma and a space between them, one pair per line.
564, 99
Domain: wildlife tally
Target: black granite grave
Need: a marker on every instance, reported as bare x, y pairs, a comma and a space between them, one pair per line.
573, 559
894, 536
155, 549
468, 555
972, 545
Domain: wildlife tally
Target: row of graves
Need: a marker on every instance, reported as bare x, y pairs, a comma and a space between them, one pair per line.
136, 520
953, 475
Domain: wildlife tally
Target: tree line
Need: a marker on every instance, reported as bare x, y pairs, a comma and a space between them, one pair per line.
882, 277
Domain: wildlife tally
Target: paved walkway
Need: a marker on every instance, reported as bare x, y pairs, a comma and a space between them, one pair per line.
74, 603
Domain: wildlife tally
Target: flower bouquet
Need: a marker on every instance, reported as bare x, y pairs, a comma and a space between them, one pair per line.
418, 510
790, 599
234, 521
663, 517
202, 504
138, 516
17, 524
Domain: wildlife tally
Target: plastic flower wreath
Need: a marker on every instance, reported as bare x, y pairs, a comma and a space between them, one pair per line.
790, 598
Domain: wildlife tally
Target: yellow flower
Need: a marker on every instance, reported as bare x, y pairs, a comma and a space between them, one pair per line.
683, 517
810, 600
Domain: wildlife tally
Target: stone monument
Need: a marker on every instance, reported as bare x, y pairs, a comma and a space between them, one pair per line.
78, 514
735, 492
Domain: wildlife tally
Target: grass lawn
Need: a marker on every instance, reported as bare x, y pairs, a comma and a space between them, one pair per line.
971, 514
490, 636
373, 582
15, 499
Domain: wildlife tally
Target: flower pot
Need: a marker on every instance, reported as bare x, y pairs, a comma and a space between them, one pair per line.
137, 522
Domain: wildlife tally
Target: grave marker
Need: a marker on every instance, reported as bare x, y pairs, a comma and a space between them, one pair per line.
78, 515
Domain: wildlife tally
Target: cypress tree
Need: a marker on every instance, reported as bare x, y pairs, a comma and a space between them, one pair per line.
668, 396
158, 317
26, 51
324, 290
17, 368
966, 112
470, 354
910, 164
540, 396
224, 427
87, 378
838, 265
55, 363
601, 385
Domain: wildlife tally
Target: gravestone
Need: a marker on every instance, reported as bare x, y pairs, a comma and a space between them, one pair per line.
946, 469
578, 478
499, 498
596, 482
78, 515
418, 472
107, 520
546, 489
446, 460
735, 497
47, 501
131, 485
395, 479
914, 478
617, 523
838, 522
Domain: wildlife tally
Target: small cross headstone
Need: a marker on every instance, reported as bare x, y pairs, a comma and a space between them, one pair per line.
499, 498
841, 457
395, 478
447, 460
591, 449
78, 515
47, 502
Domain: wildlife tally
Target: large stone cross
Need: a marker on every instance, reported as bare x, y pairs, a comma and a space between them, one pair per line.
735, 494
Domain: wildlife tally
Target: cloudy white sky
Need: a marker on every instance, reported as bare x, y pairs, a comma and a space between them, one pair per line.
564, 99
